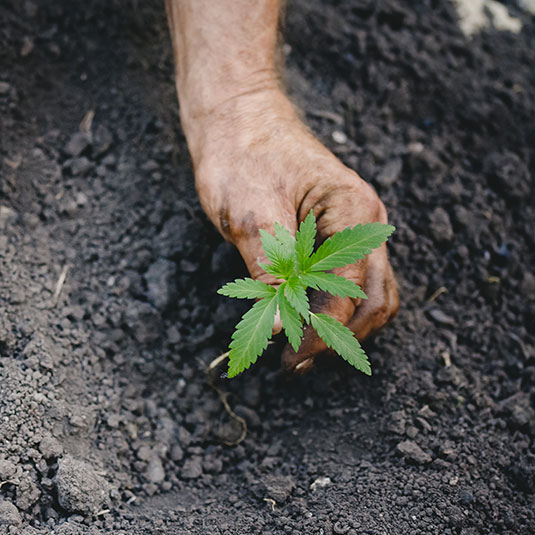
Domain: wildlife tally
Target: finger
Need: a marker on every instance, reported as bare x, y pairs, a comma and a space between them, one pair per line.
383, 301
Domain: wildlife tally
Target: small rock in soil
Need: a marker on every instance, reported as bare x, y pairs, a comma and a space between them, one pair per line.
174, 234
79, 166
527, 286
177, 453
390, 173
440, 225
7, 470
155, 471
397, 422
80, 488
320, 483
192, 468
412, 451
50, 447
278, 488
4, 88
27, 494
78, 143
9, 515
508, 175
143, 321
161, 285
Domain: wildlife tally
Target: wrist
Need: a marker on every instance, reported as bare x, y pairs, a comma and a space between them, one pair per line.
235, 113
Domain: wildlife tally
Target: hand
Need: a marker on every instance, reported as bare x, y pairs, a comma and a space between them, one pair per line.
256, 163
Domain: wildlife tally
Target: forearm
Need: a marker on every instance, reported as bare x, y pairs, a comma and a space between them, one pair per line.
222, 48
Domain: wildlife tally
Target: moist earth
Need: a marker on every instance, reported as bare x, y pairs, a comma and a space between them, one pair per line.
109, 316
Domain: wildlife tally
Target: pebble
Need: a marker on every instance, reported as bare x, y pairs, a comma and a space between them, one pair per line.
7, 469
80, 166
320, 483
177, 453
192, 468
161, 285
339, 137
78, 143
390, 172
144, 322
397, 422
508, 175
155, 471
144, 453
174, 234
4, 88
80, 488
412, 451
27, 494
440, 225
9, 514
278, 488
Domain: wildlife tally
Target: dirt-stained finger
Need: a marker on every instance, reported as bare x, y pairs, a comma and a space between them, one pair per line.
383, 301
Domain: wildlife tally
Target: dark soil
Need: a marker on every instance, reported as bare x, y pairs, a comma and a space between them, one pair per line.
108, 421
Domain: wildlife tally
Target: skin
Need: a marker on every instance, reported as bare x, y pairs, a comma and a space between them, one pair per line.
255, 162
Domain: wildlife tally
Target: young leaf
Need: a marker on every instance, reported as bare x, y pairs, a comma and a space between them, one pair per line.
304, 243
280, 270
272, 247
285, 238
291, 320
251, 335
247, 289
282, 257
333, 284
349, 245
296, 293
342, 340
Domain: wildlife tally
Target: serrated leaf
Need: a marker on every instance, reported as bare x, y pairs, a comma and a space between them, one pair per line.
295, 292
304, 243
342, 340
247, 289
272, 247
280, 270
291, 320
251, 335
333, 284
349, 245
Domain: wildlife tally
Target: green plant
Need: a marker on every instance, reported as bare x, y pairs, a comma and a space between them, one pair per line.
293, 260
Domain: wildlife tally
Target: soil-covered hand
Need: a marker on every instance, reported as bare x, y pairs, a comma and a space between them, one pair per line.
256, 163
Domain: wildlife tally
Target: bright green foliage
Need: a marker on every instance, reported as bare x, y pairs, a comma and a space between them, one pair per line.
296, 293
247, 289
252, 334
342, 340
333, 284
293, 261
291, 320
352, 244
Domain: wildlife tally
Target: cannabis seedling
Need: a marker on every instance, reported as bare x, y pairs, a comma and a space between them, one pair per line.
294, 261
